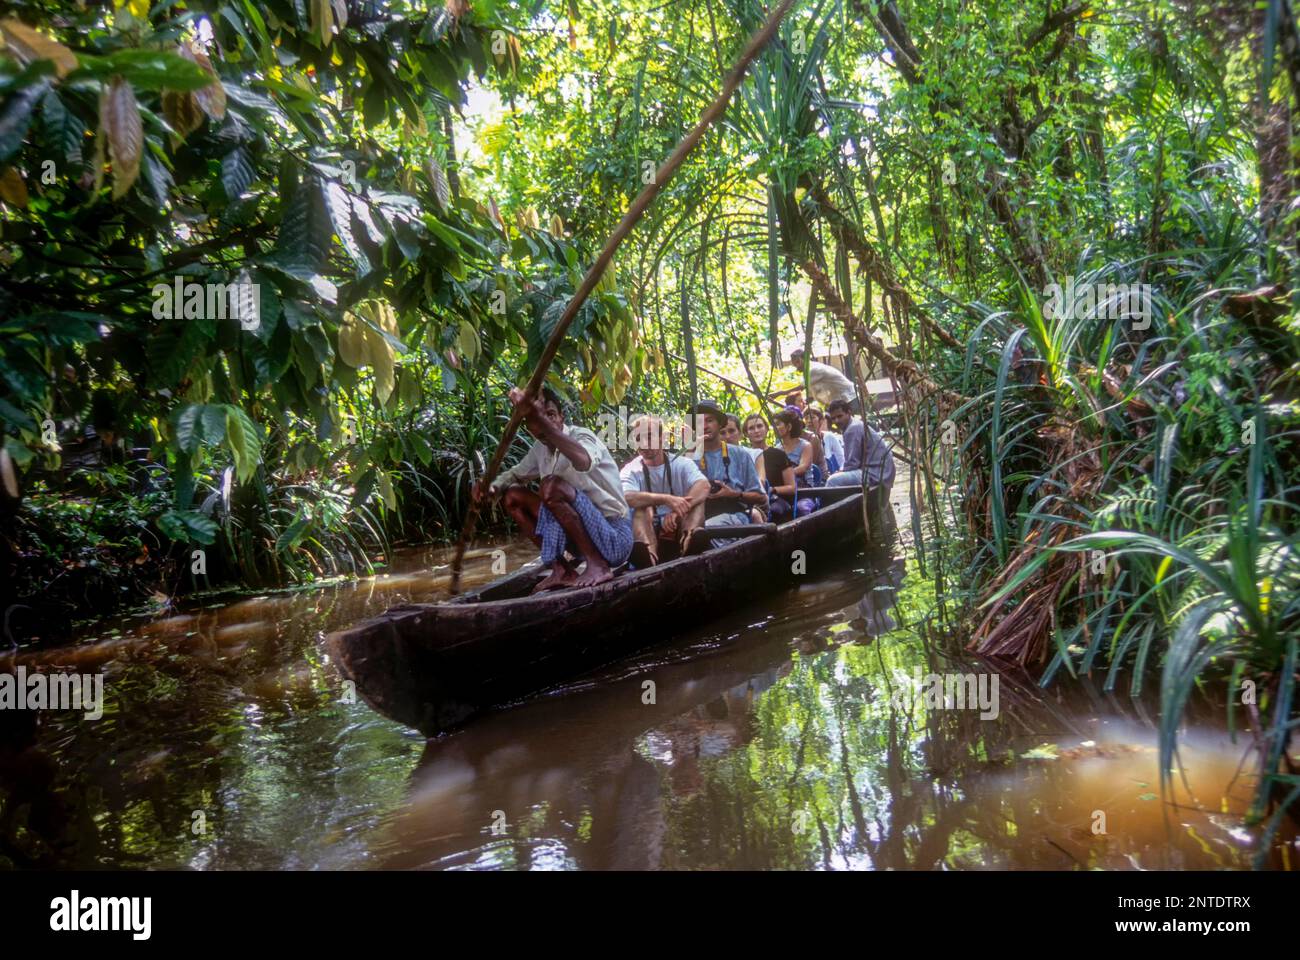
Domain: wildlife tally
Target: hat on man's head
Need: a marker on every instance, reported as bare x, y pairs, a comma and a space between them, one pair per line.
710, 407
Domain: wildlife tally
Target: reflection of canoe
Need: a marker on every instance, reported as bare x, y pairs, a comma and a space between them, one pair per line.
576, 759
433, 666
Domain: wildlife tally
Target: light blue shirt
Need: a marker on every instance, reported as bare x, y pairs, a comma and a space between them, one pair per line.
736, 471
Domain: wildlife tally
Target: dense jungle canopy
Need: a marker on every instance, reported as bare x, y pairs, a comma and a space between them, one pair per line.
416, 190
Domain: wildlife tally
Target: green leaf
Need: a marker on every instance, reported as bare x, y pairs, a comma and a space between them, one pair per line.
144, 69
197, 424
386, 490
16, 115
305, 232
292, 534
339, 208
173, 348
19, 451
188, 526
467, 341
441, 188
243, 437
16, 417
237, 173
62, 329
63, 128
157, 179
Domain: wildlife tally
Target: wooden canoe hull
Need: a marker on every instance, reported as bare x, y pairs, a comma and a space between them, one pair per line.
435, 666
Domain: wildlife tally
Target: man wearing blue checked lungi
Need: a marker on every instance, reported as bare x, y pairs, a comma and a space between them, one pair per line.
578, 513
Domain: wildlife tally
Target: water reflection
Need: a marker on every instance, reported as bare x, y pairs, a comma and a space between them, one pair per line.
777, 737
781, 748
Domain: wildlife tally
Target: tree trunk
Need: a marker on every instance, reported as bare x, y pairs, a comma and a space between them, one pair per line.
897, 367
876, 269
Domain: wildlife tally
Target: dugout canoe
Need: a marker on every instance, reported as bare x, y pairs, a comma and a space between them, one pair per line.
435, 666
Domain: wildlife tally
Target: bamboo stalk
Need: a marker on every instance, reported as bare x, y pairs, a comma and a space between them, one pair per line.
665, 173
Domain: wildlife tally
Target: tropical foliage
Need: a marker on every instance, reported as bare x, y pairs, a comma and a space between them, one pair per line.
1102, 482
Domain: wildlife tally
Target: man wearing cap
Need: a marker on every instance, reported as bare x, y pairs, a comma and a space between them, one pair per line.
733, 478
666, 495
825, 383
579, 506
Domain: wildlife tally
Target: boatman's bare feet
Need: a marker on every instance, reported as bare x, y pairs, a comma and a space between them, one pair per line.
561, 576
594, 575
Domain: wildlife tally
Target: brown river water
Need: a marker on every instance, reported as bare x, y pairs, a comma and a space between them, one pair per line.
785, 735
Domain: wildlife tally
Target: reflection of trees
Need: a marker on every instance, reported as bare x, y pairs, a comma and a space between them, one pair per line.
233, 713
752, 758
838, 775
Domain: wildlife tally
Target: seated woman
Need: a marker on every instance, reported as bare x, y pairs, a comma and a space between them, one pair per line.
818, 477
798, 454
755, 430
732, 435
792, 438
777, 478
831, 443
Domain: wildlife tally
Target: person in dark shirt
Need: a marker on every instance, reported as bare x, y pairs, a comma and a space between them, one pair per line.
799, 454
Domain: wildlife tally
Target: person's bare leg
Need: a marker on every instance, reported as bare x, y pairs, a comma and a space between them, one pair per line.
522, 504
558, 496
693, 521
645, 546
564, 571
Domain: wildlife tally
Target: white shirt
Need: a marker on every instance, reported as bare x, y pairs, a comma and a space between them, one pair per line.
684, 473
600, 482
827, 384
833, 446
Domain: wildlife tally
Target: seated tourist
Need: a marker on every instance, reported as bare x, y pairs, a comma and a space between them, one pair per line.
731, 437
666, 496
865, 452
832, 445
755, 430
731, 430
799, 454
578, 512
777, 477
818, 475
803, 451
733, 480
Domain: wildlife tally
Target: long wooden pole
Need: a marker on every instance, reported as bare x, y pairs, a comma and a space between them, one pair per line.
665, 173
